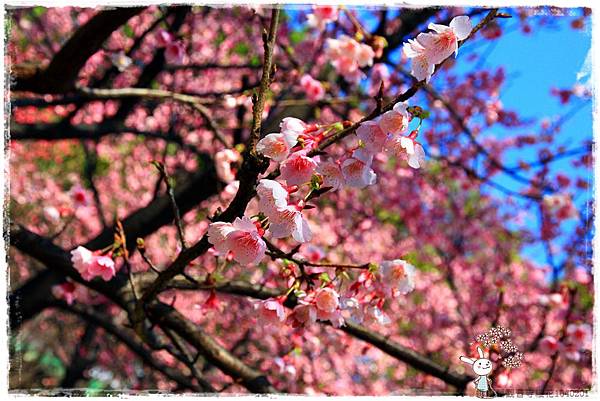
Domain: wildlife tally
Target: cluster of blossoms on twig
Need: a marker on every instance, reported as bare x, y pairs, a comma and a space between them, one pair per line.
348, 57
360, 302
578, 337
432, 48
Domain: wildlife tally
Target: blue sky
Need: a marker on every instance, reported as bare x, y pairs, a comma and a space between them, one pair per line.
548, 57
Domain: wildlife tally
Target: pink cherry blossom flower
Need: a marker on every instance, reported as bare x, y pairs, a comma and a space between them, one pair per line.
223, 160
52, 214
120, 60
289, 221
549, 345
321, 16
373, 137
175, 52
272, 196
303, 315
443, 42
293, 126
284, 367
217, 236
81, 258
327, 300
379, 74
312, 253
365, 55
580, 335
163, 38
80, 196
65, 291
241, 238
102, 266
571, 352
421, 68
357, 170
270, 311
398, 275
298, 169
277, 146
395, 121
409, 149
90, 265
347, 56
314, 89
331, 172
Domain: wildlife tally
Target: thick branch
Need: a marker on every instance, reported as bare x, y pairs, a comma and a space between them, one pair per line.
62, 72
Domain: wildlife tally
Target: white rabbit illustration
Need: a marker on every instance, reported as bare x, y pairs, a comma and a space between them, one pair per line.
482, 368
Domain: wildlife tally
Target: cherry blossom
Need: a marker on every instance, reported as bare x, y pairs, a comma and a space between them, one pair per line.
357, 170
90, 265
443, 42
397, 275
289, 221
223, 162
314, 89
580, 335
298, 168
272, 196
549, 345
321, 16
65, 291
396, 120
175, 52
292, 126
432, 48
242, 239
80, 196
271, 310
277, 146
373, 137
303, 315
331, 172
120, 60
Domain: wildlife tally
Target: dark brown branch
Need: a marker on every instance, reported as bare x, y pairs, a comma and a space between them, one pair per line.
90, 315
164, 315
61, 74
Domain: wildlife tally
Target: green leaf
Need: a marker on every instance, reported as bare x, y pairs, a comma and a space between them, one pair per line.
297, 36
128, 31
220, 38
324, 277
38, 11
241, 48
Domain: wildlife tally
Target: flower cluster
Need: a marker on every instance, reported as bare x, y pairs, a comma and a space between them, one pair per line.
368, 294
348, 56
92, 264
560, 205
314, 89
429, 49
321, 16
386, 133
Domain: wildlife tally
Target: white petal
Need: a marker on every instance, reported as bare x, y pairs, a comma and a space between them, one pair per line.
244, 224
437, 27
408, 144
462, 26
422, 69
